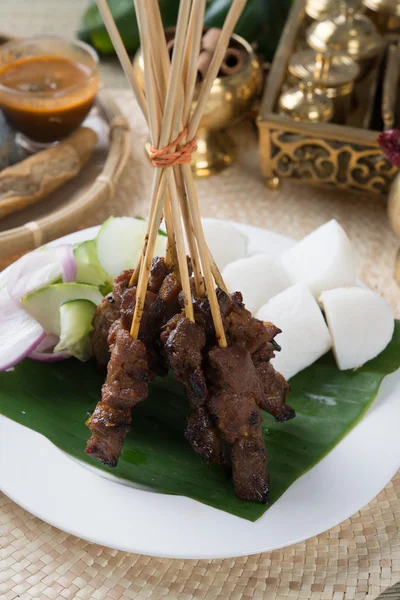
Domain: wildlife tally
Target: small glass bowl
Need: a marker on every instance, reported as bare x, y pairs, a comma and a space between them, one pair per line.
47, 116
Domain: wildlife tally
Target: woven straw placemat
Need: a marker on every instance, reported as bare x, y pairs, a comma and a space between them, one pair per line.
358, 559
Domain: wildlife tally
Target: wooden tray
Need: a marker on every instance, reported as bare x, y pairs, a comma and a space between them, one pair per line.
62, 211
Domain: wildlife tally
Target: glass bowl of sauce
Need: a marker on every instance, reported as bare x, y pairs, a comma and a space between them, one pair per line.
47, 86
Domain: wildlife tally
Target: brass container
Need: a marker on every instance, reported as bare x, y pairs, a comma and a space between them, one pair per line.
394, 205
324, 154
335, 73
385, 14
394, 217
231, 99
306, 103
319, 9
391, 79
347, 31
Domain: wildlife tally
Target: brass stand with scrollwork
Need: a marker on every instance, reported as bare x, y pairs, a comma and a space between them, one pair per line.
325, 154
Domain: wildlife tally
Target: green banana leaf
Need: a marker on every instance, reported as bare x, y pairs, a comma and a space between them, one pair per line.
56, 399
261, 22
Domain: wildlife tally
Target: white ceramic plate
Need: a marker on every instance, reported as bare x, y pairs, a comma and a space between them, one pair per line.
61, 491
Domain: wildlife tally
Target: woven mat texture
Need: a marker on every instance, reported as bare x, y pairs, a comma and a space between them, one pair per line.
359, 558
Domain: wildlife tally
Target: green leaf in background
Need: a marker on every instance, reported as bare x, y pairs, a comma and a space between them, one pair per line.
93, 31
56, 399
261, 22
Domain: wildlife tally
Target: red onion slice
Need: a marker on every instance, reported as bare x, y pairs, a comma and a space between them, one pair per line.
69, 268
389, 142
40, 268
20, 333
44, 352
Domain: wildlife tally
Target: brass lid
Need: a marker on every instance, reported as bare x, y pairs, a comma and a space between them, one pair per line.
347, 31
390, 8
334, 71
317, 9
306, 103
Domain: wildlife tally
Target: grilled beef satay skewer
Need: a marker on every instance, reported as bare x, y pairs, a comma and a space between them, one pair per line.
128, 369
234, 386
124, 387
128, 376
132, 366
184, 342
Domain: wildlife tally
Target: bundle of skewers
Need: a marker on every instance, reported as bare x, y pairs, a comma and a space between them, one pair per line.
174, 312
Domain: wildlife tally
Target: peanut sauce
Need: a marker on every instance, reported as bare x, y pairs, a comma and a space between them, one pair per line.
46, 97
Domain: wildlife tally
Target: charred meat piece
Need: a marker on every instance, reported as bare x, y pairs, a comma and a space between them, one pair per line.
107, 312
203, 436
249, 463
153, 317
126, 384
234, 388
169, 293
158, 273
244, 330
274, 387
121, 283
203, 316
183, 342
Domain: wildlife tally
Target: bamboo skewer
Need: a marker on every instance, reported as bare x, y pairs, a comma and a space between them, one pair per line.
171, 257
233, 15
169, 89
161, 58
192, 51
219, 280
196, 18
160, 140
162, 66
126, 64
127, 67
158, 193
204, 254
189, 230
190, 56
122, 54
181, 250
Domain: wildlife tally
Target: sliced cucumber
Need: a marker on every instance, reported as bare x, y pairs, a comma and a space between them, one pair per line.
89, 268
76, 318
119, 242
44, 304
